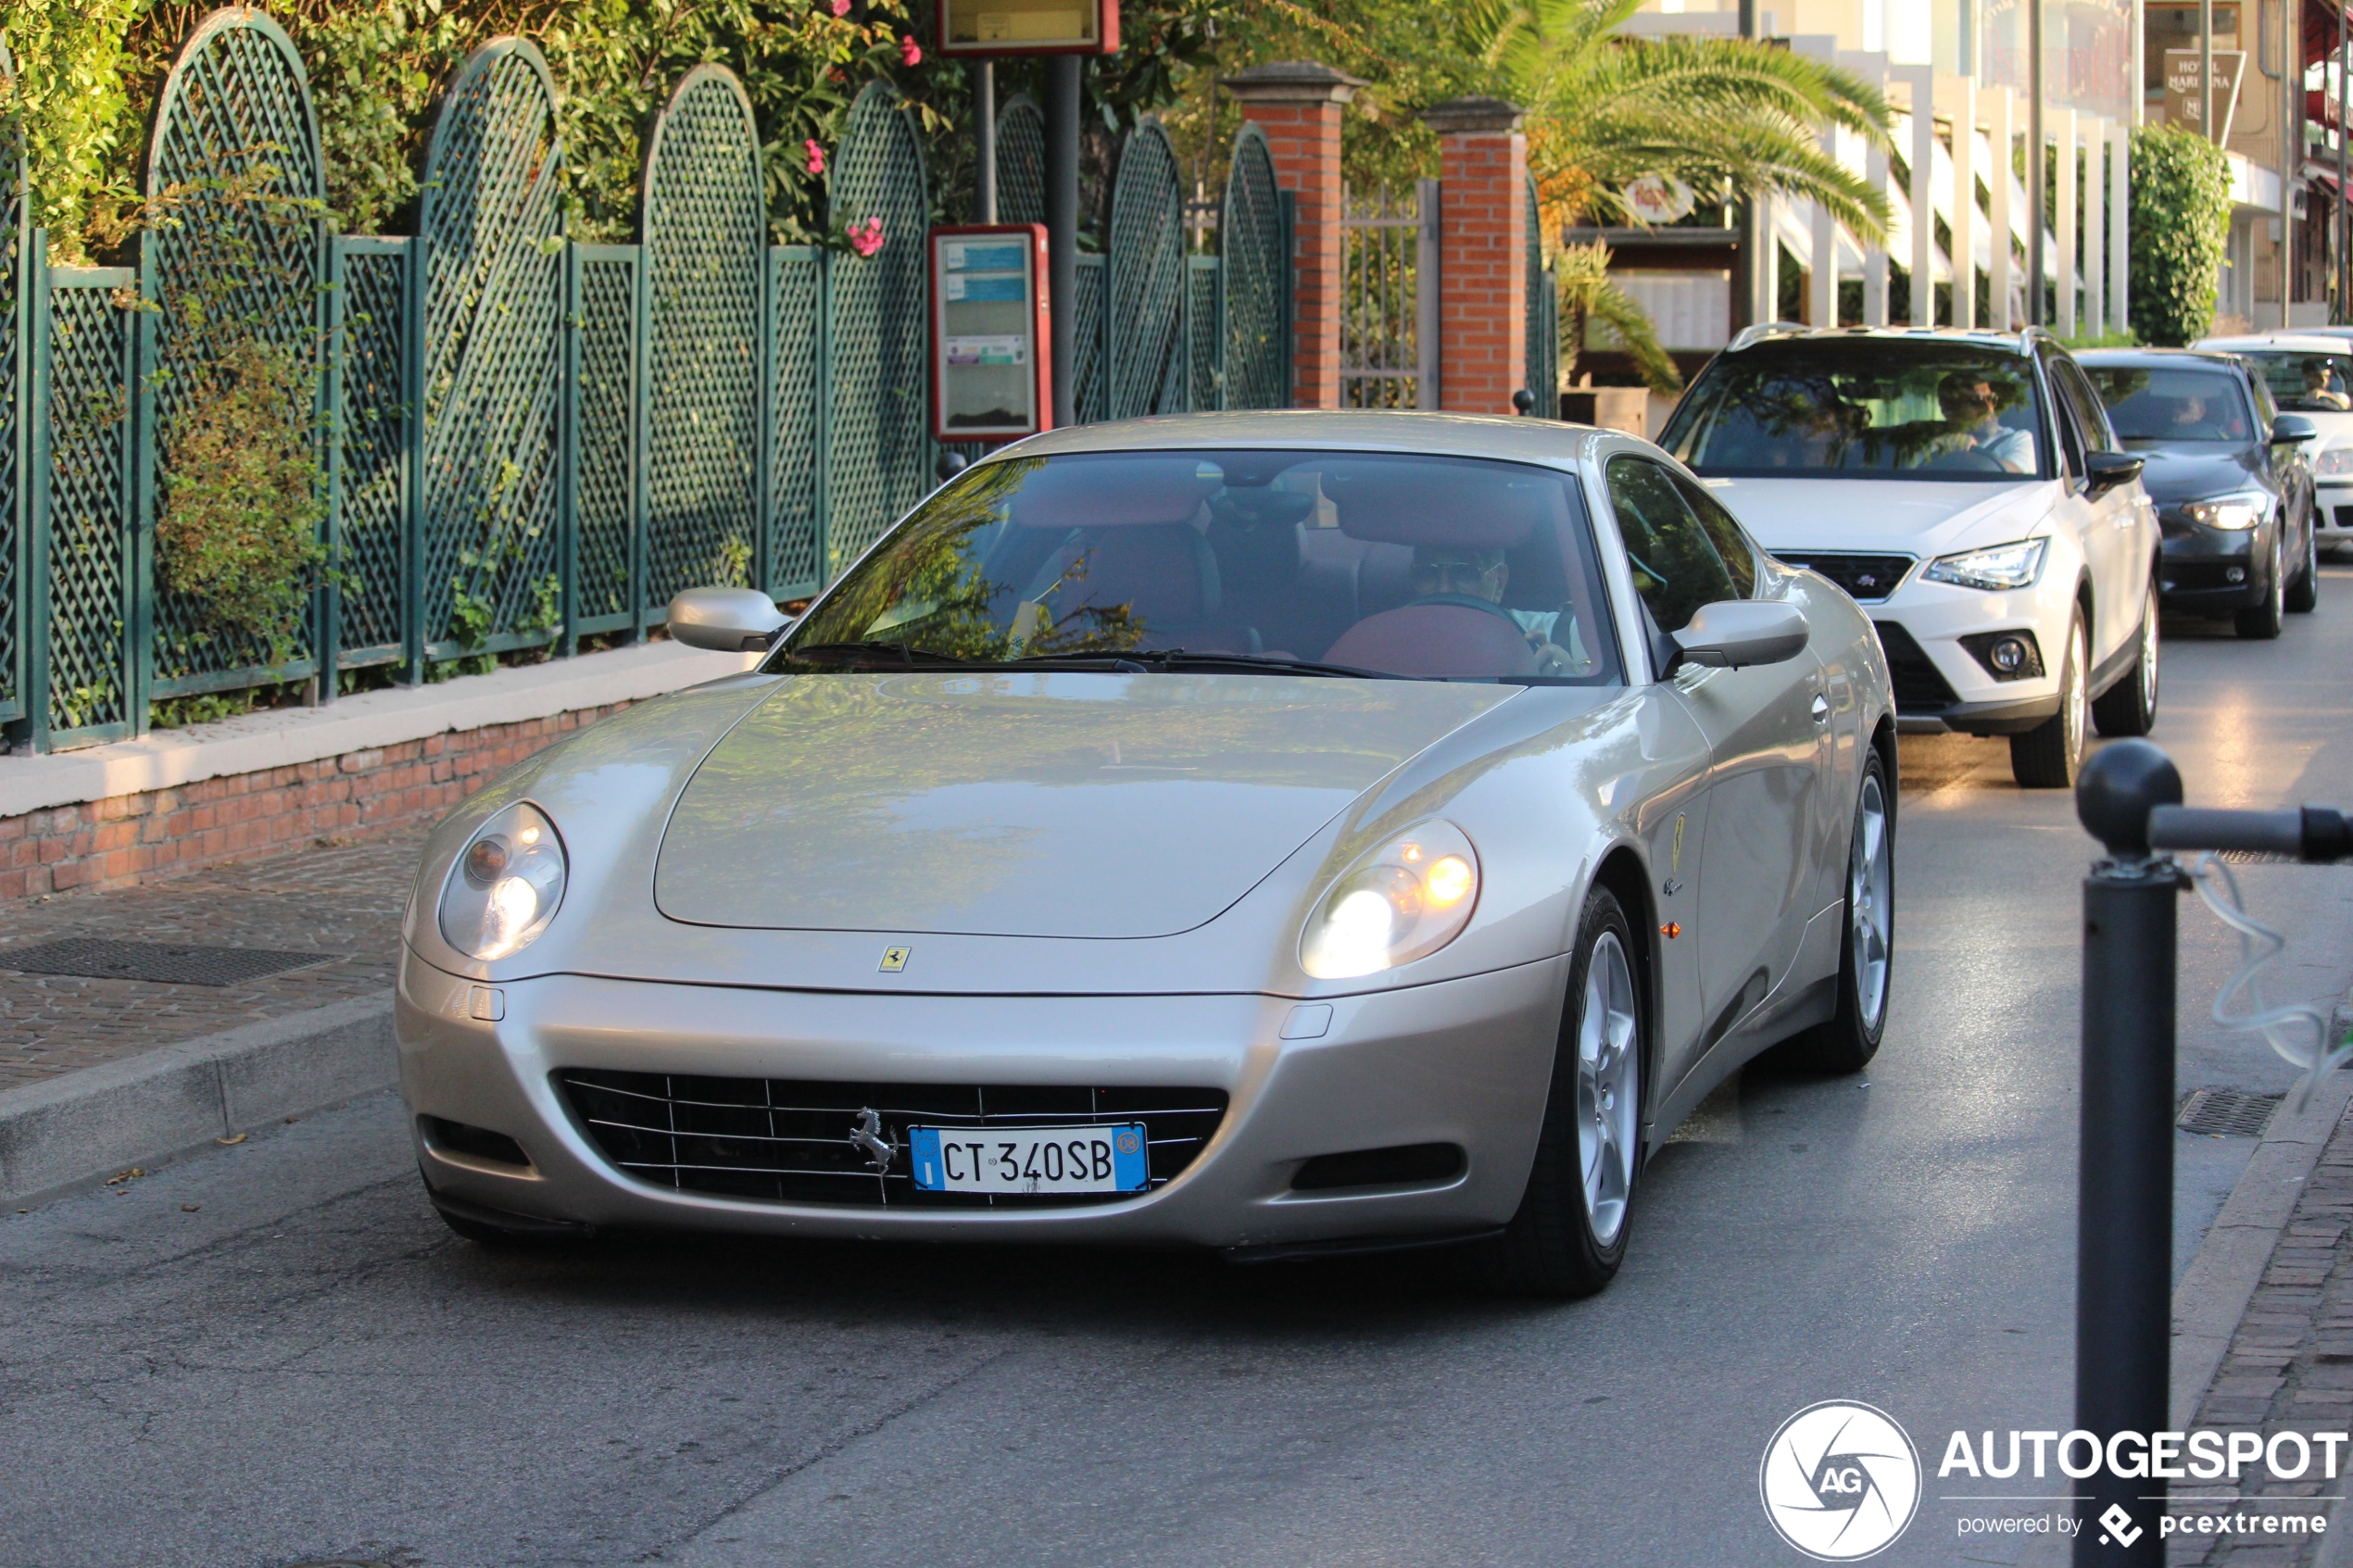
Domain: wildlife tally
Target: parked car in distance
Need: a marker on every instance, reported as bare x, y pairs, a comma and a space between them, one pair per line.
2226, 468
2309, 372
1276, 832
1965, 489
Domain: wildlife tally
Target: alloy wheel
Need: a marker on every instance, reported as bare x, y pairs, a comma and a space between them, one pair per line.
1870, 903
2075, 702
1608, 1086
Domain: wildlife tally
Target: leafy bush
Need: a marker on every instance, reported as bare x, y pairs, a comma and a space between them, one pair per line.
2181, 217
239, 527
70, 96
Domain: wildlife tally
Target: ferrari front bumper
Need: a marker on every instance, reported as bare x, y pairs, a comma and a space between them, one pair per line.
1464, 1063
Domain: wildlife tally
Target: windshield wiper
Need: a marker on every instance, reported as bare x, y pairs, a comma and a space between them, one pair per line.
1138, 662
901, 654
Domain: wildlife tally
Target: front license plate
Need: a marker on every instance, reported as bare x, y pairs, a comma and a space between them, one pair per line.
1031, 1159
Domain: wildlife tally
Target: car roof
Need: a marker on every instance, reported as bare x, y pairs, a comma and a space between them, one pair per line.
1554, 443
1788, 331
2097, 358
2308, 343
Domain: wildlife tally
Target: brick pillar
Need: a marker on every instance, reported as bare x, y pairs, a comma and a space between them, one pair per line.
1482, 242
1297, 105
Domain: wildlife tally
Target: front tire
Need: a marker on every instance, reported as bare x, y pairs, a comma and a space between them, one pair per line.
2129, 707
2261, 621
1866, 960
2304, 595
2047, 755
1569, 1234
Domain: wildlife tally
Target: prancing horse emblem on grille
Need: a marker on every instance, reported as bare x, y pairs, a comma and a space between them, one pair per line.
866, 1133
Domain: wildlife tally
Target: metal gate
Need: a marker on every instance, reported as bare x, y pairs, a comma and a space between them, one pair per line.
1389, 300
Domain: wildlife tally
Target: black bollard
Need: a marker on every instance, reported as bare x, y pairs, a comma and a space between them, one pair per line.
2124, 1196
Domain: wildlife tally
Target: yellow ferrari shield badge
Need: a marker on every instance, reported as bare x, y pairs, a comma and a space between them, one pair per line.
895, 960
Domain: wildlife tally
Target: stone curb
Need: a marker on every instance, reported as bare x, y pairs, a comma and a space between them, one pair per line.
84, 1126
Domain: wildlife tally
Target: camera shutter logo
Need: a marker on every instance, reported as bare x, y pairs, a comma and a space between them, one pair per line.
1840, 1481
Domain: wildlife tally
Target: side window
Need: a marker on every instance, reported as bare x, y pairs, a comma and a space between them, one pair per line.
1675, 563
1732, 543
2072, 430
2091, 416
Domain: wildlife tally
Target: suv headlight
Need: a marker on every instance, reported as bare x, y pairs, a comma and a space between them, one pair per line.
2337, 461
1402, 901
2238, 511
2002, 566
505, 887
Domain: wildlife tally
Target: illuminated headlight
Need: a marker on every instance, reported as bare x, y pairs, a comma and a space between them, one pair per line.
2236, 512
2337, 461
2004, 566
1403, 901
506, 884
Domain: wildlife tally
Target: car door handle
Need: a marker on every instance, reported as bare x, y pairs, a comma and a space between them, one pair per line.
1821, 708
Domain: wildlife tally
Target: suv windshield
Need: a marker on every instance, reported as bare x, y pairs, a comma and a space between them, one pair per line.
1866, 408
1295, 562
2168, 404
2303, 379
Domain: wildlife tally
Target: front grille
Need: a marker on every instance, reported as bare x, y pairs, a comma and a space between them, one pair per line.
783, 1140
1920, 692
1867, 579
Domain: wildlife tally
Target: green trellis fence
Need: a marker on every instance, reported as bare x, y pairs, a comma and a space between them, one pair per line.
524, 440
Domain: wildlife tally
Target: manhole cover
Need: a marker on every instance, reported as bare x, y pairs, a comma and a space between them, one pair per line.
2227, 1113
98, 960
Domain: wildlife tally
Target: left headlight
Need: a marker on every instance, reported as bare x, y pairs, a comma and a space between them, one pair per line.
505, 887
1398, 902
2237, 513
2004, 566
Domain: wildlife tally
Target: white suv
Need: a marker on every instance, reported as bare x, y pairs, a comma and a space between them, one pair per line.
1966, 489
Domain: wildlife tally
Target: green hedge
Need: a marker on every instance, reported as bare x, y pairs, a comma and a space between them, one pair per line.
2181, 217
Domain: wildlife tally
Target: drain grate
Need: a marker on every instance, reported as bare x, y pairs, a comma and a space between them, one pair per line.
96, 959
2227, 1113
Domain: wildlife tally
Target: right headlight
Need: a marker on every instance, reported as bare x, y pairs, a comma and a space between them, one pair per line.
505, 887
2336, 462
1400, 901
2004, 566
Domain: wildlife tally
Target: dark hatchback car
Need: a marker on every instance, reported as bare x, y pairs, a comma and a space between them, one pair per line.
2233, 492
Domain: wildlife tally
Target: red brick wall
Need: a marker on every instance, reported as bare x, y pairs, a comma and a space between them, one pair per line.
131, 838
1483, 310
1304, 139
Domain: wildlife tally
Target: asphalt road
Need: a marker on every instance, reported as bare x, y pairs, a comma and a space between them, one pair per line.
275, 1353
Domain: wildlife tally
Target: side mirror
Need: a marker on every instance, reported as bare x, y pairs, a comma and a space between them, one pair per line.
1735, 633
2105, 471
725, 620
2293, 430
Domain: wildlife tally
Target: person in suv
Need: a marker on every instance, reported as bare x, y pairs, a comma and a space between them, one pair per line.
1966, 489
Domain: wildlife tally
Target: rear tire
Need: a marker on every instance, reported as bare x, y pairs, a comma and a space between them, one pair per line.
2304, 595
1569, 1234
2261, 621
1866, 960
2129, 707
2047, 755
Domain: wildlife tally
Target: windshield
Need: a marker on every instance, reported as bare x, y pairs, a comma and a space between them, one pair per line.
2304, 381
1290, 561
2169, 405
1864, 407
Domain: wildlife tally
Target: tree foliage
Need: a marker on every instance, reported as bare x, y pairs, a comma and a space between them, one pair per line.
2181, 217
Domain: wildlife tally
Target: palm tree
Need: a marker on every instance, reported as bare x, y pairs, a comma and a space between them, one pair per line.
1718, 114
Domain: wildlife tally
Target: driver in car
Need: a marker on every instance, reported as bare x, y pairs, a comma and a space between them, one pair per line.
1449, 574
2317, 389
1972, 404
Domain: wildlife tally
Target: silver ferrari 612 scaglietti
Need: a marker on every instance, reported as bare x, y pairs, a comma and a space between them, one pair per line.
1273, 831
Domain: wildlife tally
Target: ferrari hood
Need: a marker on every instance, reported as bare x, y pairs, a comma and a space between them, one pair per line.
1029, 804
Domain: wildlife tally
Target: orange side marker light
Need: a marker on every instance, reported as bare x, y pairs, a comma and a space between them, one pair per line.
1670, 931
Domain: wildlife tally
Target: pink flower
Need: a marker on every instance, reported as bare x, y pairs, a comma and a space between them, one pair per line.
866, 238
816, 157
841, 7
909, 51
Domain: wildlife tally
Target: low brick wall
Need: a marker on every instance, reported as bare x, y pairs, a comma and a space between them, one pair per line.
129, 838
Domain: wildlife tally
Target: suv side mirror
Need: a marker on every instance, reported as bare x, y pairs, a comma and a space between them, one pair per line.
2293, 430
1734, 633
2105, 471
725, 620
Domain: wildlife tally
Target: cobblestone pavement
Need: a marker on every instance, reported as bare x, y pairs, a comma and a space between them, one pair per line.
2290, 1368
332, 897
